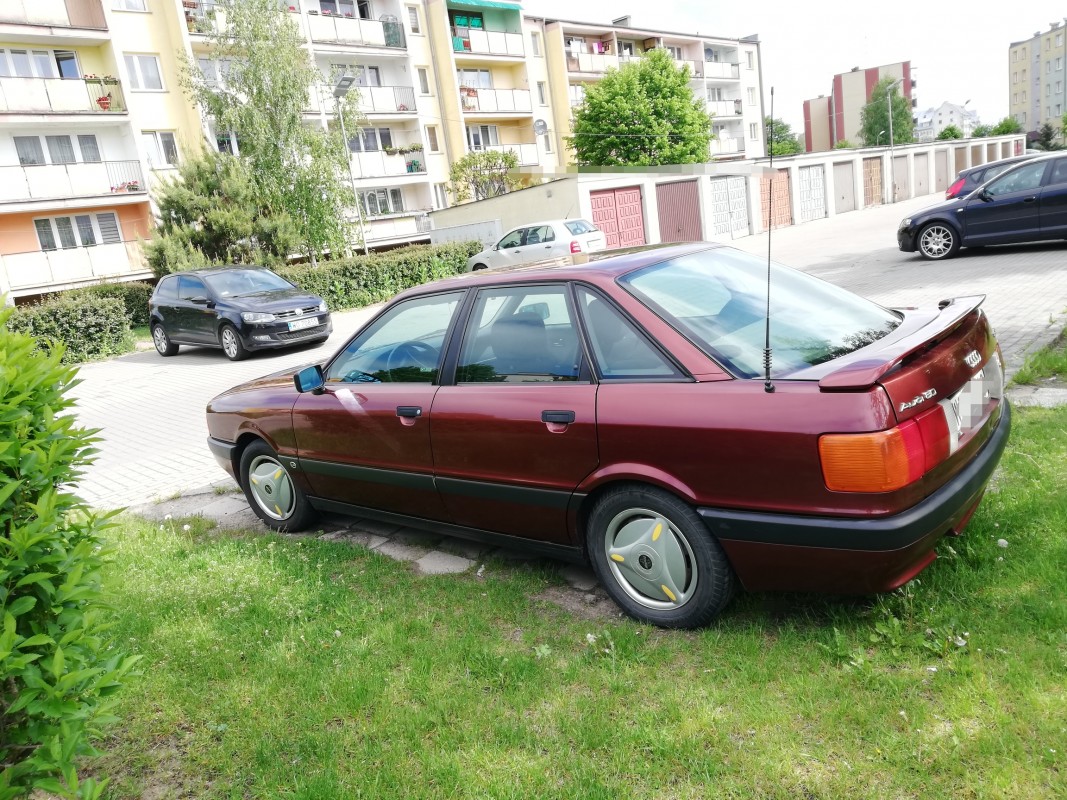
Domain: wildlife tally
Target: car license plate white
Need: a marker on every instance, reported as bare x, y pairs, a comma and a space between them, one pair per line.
967, 407
301, 324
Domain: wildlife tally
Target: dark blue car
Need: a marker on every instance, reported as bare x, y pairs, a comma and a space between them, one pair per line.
1027, 203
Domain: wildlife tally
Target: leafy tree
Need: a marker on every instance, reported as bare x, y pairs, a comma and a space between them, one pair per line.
950, 132
781, 139
212, 214
642, 115
483, 174
1046, 137
294, 170
874, 116
843, 144
1006, 126
981, 131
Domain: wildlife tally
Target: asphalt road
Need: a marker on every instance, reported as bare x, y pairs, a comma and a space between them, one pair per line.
150, 410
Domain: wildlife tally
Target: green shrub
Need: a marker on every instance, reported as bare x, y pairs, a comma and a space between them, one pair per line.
57, 666
134, 294
360, 281
87, 327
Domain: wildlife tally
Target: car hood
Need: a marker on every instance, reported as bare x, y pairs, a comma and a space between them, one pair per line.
944, 205
276, 380
280, 300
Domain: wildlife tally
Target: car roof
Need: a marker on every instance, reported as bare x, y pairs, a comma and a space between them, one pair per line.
1009, 160
547, 222
212, 270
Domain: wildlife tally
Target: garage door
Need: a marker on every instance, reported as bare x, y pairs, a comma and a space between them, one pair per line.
812, 193
844, 187
922, 174
679, 212
618, 213
729, 205
901, 179
783, 211
941, 171
872, 182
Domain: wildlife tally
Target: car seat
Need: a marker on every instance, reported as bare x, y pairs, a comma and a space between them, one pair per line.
520, 345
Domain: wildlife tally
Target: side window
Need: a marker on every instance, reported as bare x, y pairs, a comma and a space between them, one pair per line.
168, 289
1018, 180
1059, 172
402, 346
513, 239
542, 233
620, 349
520, 334
190, 287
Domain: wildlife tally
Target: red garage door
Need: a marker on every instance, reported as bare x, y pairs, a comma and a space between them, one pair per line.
618, 213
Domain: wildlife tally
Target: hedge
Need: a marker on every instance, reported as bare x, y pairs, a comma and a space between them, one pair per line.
134, 294
86, 326
363, 280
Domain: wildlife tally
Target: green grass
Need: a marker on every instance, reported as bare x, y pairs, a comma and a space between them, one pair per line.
1048, 362
297, 668
141, 333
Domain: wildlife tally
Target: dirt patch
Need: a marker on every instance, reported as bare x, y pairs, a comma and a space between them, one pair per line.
595, 605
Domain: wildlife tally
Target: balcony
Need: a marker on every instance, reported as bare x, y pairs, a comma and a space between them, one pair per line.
335, 29
380, 164
54, 269
386, 99
576, 94
727, 145
696, 68
527, 153
725, 108
481, 41
718, 70
57, 181
61, 96
508, 101
591, 63
87, 14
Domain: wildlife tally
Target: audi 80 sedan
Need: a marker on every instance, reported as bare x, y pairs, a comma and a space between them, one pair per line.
620, 412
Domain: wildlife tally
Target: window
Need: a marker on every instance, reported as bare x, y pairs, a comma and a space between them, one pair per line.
80, 230
431, 138
161, 148
1015, 77
546, 140
370, 140
542, 93
368, 76
464, 20
413, 19
1059, 39
90, 149
520, 335
67, 64
750, 60
1025, 178
23, 63
751, 96
676, 52
1048, 67
1048, 89
167, 289
480, 136
1059, 172
753, 131
620, 350
424, 80
404, 345
190, 287
144, 72
535, 43
128, 5
59, 149
1059, 64
478, 78
29, 150
377, 202
440, 195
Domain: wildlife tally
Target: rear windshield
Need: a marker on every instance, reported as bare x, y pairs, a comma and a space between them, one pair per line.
237, 282
718, 299
578, 226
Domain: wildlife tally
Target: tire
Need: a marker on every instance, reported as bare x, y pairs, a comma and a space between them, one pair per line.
938, 241
232, 345
270, 490
477, 267
657, 559
164, 346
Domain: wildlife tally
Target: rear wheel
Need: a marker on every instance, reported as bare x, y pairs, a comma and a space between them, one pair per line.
656, 558
937, 241
477, 267
164, 346
270, 490
231, 343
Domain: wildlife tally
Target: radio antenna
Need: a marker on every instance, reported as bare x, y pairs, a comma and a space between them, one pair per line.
767, 385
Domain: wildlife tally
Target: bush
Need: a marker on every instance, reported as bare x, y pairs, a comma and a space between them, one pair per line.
360, 281
57, 667
85, 326
134, 294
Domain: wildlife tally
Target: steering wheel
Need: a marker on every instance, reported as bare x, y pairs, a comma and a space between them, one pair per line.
412, 352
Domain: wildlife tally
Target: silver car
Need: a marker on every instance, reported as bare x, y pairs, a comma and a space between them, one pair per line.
540, 241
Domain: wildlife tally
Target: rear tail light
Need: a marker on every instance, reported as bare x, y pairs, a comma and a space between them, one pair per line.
954, 189
884, 461
576, 246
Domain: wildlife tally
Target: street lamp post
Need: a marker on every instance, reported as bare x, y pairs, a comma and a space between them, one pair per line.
344, 83
889, 106
878, 140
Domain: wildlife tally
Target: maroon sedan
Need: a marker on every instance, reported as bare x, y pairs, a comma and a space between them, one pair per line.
619, 412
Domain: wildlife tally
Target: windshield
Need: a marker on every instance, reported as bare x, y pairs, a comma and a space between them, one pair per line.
717, 298
237, 282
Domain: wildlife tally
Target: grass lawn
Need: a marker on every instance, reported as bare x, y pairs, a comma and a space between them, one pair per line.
296, 668
1048, 362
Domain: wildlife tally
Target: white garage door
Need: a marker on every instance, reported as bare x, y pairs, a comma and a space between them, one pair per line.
729, 205
812, 194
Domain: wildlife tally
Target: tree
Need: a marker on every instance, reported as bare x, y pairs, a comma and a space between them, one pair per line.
266, 80
843, 144
642, 115
483, 174
781, 139
874, 116
981, 131
950, 132
211, 214
1046, 138
1006, 126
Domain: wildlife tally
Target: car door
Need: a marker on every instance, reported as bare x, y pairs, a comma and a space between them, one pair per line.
365, 440
515, 433
507, 251
194, 312
540, 244
1054, 202
1006, 209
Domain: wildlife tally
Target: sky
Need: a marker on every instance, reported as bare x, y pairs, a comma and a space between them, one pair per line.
958, 51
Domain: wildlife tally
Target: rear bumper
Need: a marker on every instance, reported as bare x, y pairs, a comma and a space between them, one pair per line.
853, 556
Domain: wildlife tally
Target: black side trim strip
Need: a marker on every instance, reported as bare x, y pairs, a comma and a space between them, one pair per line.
407, 480
221, 449
883, 534
519, 495
559, 551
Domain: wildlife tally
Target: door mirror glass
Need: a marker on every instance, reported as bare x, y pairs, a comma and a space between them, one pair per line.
540, 309
199, 300
309, 379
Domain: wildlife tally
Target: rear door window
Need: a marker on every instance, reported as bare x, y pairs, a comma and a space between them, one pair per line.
167, 290
579, 226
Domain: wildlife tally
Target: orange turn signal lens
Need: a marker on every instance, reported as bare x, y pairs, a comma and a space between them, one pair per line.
872, 462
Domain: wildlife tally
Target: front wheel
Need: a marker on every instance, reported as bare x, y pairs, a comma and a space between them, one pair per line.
656, 558
938, 241
232, 345
270, 490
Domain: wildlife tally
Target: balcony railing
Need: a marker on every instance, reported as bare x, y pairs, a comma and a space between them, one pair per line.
54, 13
61, 96
725, 108
591, 62
45, 270
480, 41
386, 99
576, 95
379, 164
499, 100
50, 181
727, 145
721, 70
527, 153
696, 68
355, 31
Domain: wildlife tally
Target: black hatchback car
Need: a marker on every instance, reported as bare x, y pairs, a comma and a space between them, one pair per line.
239, 309
1027, 203
970, 179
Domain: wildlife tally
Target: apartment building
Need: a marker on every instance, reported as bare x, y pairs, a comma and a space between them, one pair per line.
829, 119
930, 123
1037, 78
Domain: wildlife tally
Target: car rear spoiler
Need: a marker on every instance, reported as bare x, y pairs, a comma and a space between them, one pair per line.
867, 371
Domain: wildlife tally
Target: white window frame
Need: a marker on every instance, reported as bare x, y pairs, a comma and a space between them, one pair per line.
414, 22
750, 60
137, 78
542, 93
535, 44
753, 131
751, 96
7, 62
546, 140
94, 222
422, 74
391, 197
675, 51
440, 195
478, 74
138, 6
490, 132
433, 141
374, 133
75, 143
158, 150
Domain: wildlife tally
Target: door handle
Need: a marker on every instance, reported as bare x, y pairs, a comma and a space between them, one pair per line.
1029, 199
409, 411
562, 417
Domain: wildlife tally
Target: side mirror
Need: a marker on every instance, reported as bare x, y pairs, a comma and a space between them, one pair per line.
310, 379
496, 246
198, 301
985, 196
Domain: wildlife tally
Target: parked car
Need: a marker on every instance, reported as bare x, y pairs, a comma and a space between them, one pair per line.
618, 412
540, 241
1026, 203
239, 309
970, 179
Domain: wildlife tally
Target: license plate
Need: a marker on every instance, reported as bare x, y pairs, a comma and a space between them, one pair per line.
967, 407
301, 324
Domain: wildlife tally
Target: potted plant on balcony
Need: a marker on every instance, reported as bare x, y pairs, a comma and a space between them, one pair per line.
104, 101
189, 3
